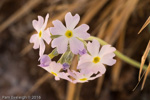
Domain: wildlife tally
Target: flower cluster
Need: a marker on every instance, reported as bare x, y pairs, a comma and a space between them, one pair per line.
70, 41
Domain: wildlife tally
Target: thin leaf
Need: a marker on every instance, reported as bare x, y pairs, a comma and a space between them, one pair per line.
145, 24
143, 59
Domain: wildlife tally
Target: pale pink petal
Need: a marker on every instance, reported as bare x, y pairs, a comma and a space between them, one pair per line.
46, 36
81, 31
85, 58
87, 74
93, 47
35, 39
48, 69
109, 55
95, 68
45, 23
58, 29
94, 77
56, 67
106, 49
72, 73
38, 24
79, 76
75, 45
78, 81
101, 68
42, 47
86, 67
61, 43
64, 76
108, 59
57, 78
71, 21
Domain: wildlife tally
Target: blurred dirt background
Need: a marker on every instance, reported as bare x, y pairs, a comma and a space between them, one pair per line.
115, 21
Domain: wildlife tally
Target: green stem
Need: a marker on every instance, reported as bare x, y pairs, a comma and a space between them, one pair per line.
120, 55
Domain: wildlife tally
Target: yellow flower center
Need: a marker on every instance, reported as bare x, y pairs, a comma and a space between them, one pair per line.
69, 34
40, 33
96, 59
83, 79
54, 73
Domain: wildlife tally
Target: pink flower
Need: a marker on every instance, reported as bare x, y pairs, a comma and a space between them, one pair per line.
81, 77
44, 61
55, 68
39, 25
69, 34
94, 62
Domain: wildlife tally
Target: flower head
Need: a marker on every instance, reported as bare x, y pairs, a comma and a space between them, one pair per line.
82, 52
44, 61
81, 77
95, 61
55, 68
39, 25
65, 66
69, 34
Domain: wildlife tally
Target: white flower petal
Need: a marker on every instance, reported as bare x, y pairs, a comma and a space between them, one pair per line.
85, 58
64, 76
58, 29
75, 45
38, 24
46, 36
81, 31
93, 47
57, 78
42, 47
108, 59
45, 23
35, 39
109, 55
106, 49
71, 21
61, 43
100, 67
48, 69
85, 66
55, 67
98, 75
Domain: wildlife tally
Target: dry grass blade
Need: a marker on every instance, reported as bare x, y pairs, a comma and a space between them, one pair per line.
143, 59
94, 8
145, 24
26, 49
38, 83
78, 90
20, 13
101, 31
148, 70
117, 67
70, 91
107, 11
99, 85
119, 22
139, 81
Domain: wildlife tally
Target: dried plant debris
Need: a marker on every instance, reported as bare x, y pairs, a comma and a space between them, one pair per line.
145, 55
108, 19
